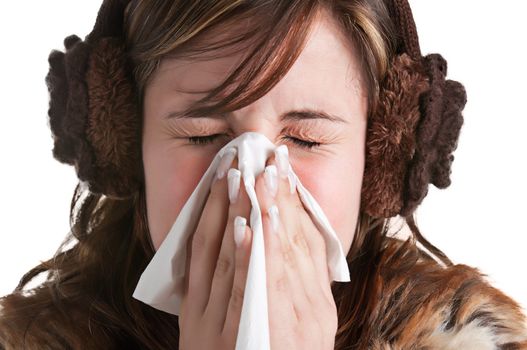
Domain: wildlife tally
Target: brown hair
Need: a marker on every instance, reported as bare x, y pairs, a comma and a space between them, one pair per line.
86, 300
270, 53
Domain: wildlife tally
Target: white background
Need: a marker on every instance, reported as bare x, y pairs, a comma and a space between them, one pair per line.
478, 220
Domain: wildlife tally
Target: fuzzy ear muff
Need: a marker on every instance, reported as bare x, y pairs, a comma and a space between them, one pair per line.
390, 140
68, 107
114, 119
437, 134
93, 114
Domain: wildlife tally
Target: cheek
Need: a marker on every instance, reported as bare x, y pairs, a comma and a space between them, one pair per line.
336, 186
170, 180
172, 176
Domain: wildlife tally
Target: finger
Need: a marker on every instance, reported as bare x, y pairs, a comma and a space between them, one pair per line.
317, 252
312, 281
273, 224
207, 238
307, 244
241, 266
303, 236
222, 280
282, 312
265, 187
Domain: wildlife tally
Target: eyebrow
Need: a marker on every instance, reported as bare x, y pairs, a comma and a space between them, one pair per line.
293, 115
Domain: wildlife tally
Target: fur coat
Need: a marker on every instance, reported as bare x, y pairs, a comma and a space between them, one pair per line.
422, 305
425, 305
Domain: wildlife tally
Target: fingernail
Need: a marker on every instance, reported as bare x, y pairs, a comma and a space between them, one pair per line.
233, 178
271, 181
249, 180
239, 230
225, 162
292, 183
282, 160
275, 217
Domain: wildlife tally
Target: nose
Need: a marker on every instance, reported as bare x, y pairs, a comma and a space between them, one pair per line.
257, 117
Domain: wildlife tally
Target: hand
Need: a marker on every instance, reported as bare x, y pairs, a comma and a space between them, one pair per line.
302, 312
216, 269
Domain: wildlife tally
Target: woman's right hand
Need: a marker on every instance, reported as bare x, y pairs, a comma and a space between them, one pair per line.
216, 268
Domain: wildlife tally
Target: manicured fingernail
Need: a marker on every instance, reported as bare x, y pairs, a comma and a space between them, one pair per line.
225, 162
271, 181
275, 217
239, 230
249, 180
233, 178
292, 183
282, 160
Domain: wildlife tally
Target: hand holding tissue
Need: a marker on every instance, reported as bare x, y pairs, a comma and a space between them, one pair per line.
162, 283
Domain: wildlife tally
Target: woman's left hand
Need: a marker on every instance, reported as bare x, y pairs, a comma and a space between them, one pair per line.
302, 311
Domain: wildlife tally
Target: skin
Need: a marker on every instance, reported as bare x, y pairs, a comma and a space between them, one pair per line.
325, 77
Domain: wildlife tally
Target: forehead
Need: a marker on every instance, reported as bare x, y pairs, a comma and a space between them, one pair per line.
328, 59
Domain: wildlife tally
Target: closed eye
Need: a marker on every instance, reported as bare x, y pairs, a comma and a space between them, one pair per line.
203, 140
302, 143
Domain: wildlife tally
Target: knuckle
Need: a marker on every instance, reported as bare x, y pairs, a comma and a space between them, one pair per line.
289, 256
280, 284
237, 296
300, 242
223, 265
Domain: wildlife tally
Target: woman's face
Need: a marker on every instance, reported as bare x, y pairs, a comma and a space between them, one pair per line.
325, 77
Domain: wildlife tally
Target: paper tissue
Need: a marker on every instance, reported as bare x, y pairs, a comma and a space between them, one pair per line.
162, 282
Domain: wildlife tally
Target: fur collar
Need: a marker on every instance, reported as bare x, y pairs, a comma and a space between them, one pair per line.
424, 305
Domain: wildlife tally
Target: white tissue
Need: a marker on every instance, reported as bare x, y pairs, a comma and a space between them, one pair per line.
162, 282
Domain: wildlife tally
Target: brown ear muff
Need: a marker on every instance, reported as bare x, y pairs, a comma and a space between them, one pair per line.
93, 110
390, 137
114, 123
437, 134
415, 129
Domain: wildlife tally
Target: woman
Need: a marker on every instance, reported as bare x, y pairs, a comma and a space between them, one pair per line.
377, 123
